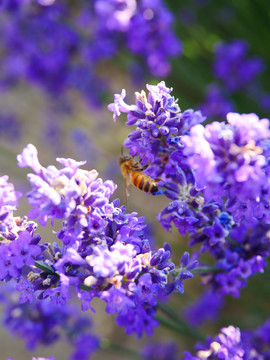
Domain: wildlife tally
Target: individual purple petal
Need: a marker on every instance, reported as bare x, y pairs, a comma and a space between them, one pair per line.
28, 157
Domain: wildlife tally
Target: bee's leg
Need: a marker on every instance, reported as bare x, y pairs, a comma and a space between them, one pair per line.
138, 163
140, 168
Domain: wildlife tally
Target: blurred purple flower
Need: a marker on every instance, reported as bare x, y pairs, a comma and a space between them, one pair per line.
234, 67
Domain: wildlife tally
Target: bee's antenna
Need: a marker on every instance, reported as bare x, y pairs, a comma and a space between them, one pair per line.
122, 150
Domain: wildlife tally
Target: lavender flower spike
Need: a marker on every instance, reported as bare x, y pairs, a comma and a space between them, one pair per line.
229, 159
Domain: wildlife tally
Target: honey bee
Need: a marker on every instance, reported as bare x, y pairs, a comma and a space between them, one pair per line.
133, 173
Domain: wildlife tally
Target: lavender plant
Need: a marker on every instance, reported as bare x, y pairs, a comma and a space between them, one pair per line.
103, 253
216, 179
212, 177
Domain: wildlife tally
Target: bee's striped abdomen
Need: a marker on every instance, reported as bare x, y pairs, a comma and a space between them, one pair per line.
144, 182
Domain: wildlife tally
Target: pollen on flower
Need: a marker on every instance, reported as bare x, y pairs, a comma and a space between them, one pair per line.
144, 259
59, 183
47, 282
204, 354
215, 346
32, 276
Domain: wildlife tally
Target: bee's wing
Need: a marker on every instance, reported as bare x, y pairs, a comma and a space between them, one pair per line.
127, 184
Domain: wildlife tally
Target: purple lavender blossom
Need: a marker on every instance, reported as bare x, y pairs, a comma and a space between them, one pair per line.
104, 253
8, 202
151, 37
138, 320
157, 118
8, 195
19, 245
55, 192
206, 308
41, 47
228, 158
41, 324
177, 212
216, 104
85, 346
234, 67
239, 255
232, 343
226, 345
216, 177
116, 15
186, 265
18, 252
265, 101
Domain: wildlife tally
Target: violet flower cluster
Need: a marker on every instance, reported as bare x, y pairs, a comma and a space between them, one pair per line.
216, 176
103, 251
40, 323
230, 344
205, 308
234, 67
57, 45
236, 72
234, 344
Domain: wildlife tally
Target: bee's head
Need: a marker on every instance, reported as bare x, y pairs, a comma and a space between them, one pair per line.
124, 158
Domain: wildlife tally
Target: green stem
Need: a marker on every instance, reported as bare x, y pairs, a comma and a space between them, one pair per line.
186, 329
171, 325
85, 287
168, 311
206, 269
44, 267
107, 345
